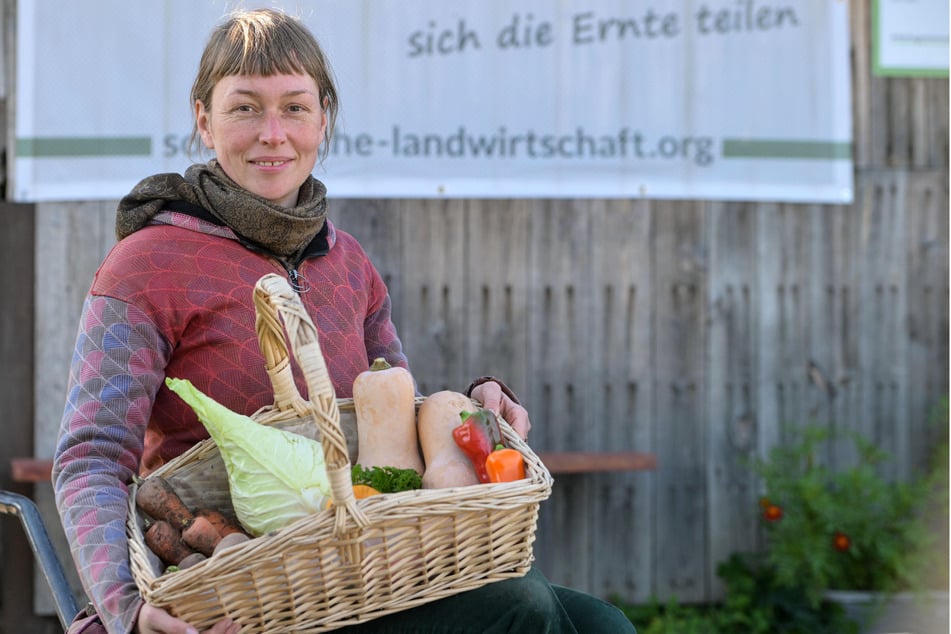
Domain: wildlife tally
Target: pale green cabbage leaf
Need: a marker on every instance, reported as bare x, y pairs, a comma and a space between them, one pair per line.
275, 476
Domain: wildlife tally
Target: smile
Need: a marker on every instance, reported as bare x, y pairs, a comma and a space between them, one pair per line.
269, 163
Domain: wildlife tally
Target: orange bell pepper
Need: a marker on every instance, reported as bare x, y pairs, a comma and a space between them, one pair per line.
505, 465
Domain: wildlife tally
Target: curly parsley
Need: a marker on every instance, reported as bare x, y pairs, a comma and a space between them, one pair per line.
387, 479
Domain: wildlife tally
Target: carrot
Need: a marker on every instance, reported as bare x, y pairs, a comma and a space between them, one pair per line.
219, 520
165, 541
202, 536
361, 491
158, 499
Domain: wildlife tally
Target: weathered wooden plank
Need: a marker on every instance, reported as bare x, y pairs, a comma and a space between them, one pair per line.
863, 104
73, 239
679, 318
929, 122
559, 343
784, 290
434, 295
877, 280
770, 333
840, 369
931, 125
376, 225
925, 211
498, 291
900, 126
731, 485
620, 390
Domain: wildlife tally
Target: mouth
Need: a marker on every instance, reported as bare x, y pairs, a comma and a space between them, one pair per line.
273, 163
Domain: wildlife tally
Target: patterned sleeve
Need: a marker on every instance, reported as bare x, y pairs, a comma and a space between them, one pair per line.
116, 369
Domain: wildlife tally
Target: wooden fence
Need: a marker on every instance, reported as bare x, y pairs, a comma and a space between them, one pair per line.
692, 330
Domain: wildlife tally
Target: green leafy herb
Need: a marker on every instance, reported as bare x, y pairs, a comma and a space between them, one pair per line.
387, 479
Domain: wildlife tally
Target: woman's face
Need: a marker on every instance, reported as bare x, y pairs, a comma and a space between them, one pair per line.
265, 132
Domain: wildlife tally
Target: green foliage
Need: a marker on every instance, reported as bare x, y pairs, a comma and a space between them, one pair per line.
846, 529
841, 529
755, 604
386, 479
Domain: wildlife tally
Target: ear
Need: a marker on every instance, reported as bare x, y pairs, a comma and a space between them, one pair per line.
203, 123
323, 123
323, 117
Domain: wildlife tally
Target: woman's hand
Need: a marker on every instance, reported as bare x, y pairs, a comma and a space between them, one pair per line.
492, 397
153, 620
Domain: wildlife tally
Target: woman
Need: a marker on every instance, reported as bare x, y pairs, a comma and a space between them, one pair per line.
173, 298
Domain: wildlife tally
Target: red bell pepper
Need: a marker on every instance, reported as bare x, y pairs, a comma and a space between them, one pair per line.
478, 436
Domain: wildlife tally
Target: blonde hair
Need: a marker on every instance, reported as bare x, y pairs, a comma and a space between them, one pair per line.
264, 42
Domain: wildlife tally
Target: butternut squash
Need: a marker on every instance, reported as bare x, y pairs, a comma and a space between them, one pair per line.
384, 400
446, 464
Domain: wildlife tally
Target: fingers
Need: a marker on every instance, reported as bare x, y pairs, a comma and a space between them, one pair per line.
490, 395
153, 620
517, 416
492, 398
225, 626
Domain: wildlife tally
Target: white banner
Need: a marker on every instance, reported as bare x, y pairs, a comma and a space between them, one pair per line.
911, 38
719, 99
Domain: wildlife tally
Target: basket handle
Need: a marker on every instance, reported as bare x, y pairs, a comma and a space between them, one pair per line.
274, 302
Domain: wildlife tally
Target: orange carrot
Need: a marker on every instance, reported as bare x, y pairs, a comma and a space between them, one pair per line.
219, 520
361, 491
165, 541
202, 536
158, 499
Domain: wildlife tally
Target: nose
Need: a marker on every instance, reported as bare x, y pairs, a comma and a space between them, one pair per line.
272, 129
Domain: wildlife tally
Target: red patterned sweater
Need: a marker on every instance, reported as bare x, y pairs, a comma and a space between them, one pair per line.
175, 299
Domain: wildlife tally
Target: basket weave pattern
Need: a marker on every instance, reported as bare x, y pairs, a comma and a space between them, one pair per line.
358, 561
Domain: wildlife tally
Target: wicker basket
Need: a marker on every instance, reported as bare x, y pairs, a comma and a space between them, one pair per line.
358, 561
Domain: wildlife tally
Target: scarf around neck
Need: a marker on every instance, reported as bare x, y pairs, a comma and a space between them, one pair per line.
285, 231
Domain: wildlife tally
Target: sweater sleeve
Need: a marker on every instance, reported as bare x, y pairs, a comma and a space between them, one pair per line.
116, 368
380, 334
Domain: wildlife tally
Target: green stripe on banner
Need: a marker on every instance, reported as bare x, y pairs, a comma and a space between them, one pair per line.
46, 147
772, 148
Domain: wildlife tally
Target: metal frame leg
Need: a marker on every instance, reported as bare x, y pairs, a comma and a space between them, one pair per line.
24, 508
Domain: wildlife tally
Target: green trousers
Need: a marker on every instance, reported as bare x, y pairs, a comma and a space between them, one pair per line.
528, 605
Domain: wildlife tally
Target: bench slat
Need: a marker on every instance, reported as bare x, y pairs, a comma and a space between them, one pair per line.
39, 470
598, 461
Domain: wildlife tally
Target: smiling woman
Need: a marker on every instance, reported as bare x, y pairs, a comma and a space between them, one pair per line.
174, 298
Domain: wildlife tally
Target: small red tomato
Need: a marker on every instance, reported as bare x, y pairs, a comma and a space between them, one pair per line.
773, 513
841, 542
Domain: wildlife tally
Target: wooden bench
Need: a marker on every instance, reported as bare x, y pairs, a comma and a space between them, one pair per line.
28, 470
